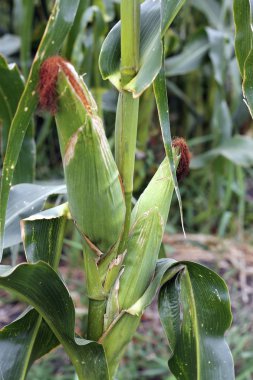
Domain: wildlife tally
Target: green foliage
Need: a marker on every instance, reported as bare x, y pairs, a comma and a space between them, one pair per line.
25, 200
197, 346
11, 88
59, 24
120, 244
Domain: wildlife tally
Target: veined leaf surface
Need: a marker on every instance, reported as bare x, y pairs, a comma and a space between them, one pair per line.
29, 337
195, 312
11, 88
156, 17
30, 282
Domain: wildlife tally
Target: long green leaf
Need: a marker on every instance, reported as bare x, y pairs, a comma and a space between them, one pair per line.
212, 11
190, 58
26, 18
40, 286
248, 82
150, 59
156, 17
11, 88
29, 337
195, 311
244, 47
169, 10
161, 97
238, 149
243, 31
73, 34
18, 347
58, 26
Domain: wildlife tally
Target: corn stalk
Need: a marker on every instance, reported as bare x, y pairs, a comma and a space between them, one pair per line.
120, 244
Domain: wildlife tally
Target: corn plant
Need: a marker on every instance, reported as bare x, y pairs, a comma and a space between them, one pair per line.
120, 243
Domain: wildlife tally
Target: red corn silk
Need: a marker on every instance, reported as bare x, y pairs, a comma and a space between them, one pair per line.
185, 157
47, 90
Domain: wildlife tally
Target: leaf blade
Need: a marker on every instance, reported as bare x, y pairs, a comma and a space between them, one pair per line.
11, 88
53, 302
169, 10
161, 97
195, 312
59, 24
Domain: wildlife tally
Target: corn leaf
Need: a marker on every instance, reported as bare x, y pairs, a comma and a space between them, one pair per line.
212, 11
29, 337
217, 52
107, 8
169, 10
244, 47
190, 58
26, 27
150, 51
238, 150
243, 31
11, 88
195, 312
57, 28
155, 18
161, 97
22, 342
25, 200
75, 29
30, 282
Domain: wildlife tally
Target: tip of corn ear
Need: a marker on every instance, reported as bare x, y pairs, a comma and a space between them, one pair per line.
47, 87
185, 157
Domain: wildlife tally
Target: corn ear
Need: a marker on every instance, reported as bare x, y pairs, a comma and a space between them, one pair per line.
148, 220
95, 195
158, 193
140, 260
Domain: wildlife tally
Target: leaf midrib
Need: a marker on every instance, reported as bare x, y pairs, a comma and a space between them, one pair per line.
195, 321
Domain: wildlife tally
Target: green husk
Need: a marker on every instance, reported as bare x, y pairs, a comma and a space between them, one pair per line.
148, 220
158, 193
142, 253
95, 195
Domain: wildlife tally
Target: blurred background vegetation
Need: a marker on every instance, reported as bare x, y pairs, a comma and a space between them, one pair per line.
207, 109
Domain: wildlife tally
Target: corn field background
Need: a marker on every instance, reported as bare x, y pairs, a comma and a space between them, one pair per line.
206, 108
